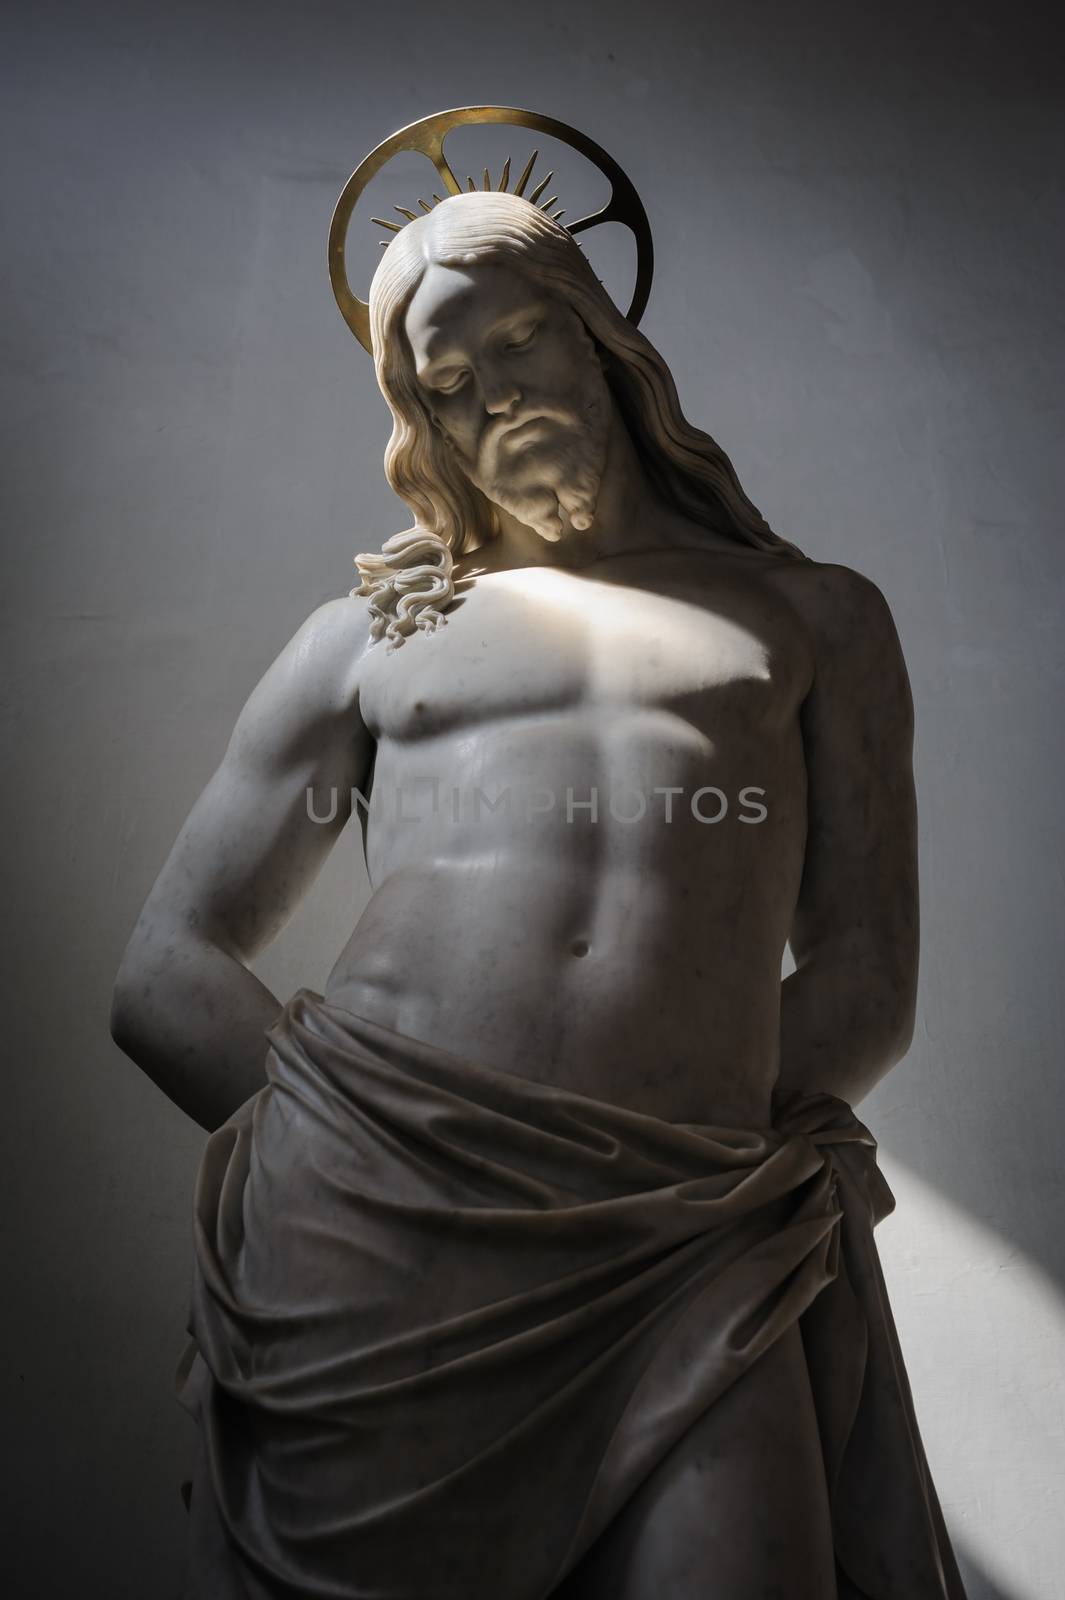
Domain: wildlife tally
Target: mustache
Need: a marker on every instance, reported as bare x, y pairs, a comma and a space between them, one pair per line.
499, 427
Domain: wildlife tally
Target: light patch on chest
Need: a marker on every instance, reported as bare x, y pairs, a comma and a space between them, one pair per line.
644, 647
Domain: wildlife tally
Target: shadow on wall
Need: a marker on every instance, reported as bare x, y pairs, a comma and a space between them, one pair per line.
987, 1152
978, 1586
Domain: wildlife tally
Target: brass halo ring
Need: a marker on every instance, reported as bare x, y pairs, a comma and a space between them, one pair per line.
427, 138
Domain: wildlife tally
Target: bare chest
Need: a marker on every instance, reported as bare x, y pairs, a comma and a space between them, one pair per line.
709, 647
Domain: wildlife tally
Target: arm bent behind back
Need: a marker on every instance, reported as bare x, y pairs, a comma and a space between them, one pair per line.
186, 1008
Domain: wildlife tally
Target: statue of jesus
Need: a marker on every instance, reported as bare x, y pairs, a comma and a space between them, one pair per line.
534, 1256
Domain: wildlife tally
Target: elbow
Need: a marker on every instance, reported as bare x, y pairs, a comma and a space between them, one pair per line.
127, 997
891, 1002
122, 1014
865, 998
899, 1039
905, 1019
900, 985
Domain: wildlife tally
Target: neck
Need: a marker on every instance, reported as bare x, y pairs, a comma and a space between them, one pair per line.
629, 516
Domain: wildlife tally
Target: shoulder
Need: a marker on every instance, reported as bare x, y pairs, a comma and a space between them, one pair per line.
335, 624
844, 611
859, 678
333, 638
317, 671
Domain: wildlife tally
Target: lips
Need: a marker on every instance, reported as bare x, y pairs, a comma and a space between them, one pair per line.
523, 431
510, 445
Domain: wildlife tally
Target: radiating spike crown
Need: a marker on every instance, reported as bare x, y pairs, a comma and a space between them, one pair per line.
500, 188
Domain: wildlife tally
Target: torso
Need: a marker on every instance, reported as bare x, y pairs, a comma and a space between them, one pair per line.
637, 961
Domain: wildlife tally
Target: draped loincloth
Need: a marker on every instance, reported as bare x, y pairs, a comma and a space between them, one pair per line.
445, 1321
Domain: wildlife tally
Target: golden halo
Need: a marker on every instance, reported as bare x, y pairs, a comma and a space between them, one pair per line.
427, 137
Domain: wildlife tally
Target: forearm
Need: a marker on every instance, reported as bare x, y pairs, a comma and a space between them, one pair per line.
840, 1032
193, 1018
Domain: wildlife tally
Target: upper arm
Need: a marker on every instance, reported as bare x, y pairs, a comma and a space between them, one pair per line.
858, 899
251, 847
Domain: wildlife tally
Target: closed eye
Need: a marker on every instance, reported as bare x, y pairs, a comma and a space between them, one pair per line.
452, 387
522, 342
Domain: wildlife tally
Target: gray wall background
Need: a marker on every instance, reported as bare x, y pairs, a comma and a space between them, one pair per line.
856, 212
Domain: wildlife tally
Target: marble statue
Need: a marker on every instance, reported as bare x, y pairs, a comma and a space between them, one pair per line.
534, 1256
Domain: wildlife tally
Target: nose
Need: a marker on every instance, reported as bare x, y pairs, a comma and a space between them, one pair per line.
499, 392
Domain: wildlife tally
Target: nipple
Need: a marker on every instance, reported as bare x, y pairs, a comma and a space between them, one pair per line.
579, 947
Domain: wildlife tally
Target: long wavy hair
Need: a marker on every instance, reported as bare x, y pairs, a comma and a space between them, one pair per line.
409, 584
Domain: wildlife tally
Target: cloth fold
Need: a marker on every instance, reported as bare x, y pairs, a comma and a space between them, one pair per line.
445, 1321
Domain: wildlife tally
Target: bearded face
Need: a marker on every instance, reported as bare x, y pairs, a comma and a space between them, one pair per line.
513, 383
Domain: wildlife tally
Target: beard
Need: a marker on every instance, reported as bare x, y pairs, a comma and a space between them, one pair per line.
554, 474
